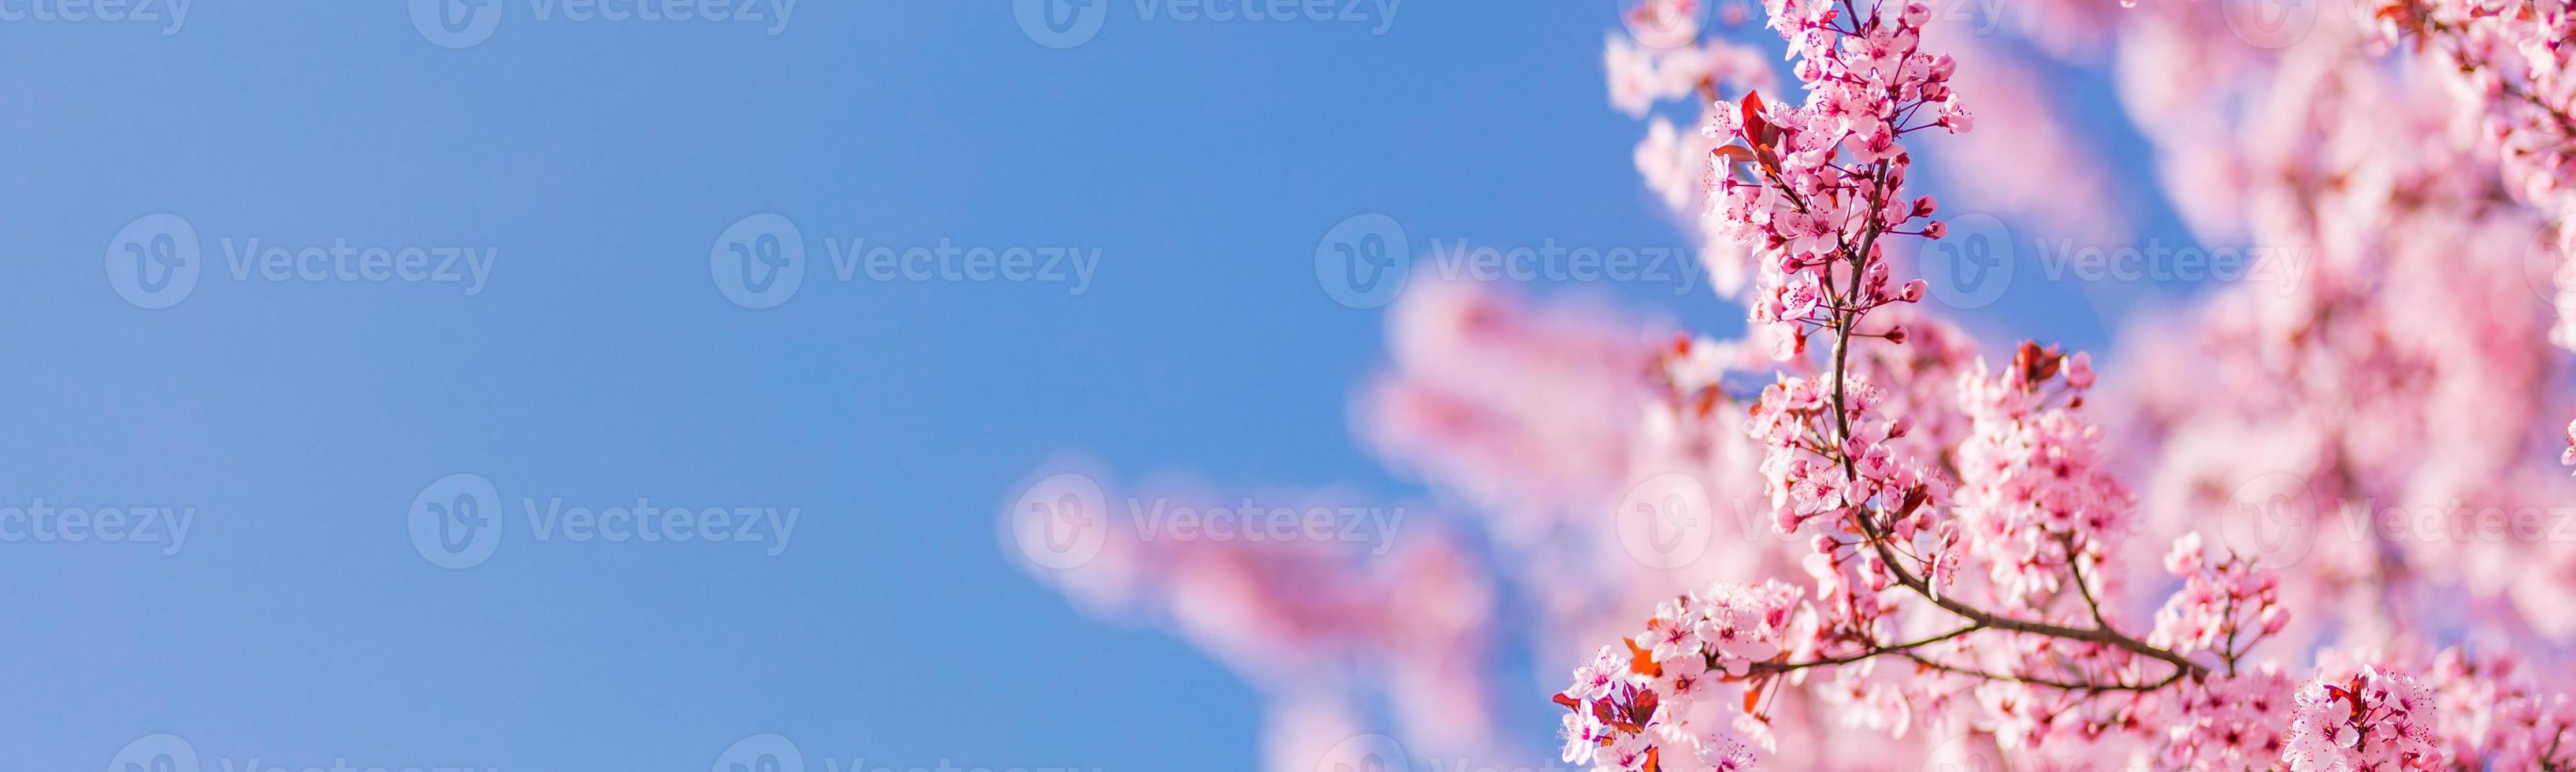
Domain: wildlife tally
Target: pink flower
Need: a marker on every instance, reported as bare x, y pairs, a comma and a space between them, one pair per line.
1800, 297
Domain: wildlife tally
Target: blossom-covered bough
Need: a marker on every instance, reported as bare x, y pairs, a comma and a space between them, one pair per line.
1952, 551
1809, 191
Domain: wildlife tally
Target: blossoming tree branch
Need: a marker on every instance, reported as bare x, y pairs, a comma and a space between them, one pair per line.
2299, 522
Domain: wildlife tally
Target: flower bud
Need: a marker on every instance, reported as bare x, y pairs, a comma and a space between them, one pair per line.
1923, 207
2079, 370
1935, 229
1915, 14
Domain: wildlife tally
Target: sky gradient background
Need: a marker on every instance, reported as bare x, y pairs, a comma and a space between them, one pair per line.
600, 364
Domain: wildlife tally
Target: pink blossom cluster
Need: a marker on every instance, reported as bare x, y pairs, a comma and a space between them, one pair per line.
1643, 76
1796, 423
2372, 720
2494, 712
2506, 64
2032, 489
2233, 721
2329, 378
2225, 605
1628, 707
1826, 175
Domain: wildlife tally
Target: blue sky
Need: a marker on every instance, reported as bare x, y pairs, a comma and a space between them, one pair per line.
294, 422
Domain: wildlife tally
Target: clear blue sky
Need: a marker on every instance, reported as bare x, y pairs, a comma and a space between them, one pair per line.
598, 362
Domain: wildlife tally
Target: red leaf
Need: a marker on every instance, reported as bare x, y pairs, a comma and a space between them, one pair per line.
1755, 128
1642, 661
